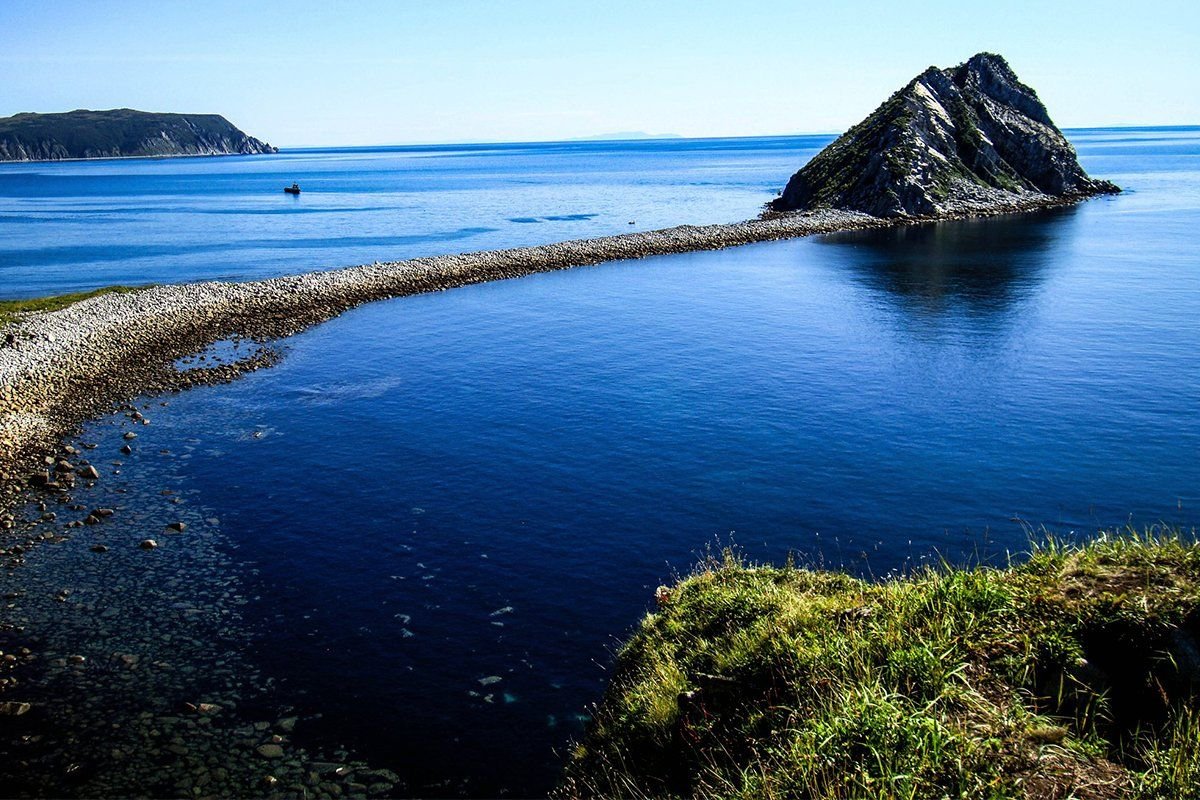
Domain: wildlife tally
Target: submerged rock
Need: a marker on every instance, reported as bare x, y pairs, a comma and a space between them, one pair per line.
955, 140
270, 751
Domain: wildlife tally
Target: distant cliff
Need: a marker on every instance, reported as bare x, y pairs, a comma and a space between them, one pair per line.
121, 132
956, 140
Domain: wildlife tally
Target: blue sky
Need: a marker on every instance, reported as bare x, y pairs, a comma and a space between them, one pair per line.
325, 73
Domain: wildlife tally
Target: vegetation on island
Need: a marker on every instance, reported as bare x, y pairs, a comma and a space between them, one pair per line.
12, 310
951, 139
120, 132
1072, 674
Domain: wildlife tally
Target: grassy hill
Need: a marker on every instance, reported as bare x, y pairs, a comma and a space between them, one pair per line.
120, 132
1073, 674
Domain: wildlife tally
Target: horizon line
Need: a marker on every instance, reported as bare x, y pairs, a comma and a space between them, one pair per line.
664, 138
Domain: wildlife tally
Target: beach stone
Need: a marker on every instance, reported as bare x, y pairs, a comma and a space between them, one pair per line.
329, 768
381, 775
99, 548
89, 472
180, 527
126, 449
148, 544
129, 435
270, 751
14, 709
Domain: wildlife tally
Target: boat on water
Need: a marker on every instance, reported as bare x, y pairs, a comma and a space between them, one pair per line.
293, 189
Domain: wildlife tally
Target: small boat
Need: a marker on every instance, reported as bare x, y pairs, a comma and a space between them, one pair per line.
293, 189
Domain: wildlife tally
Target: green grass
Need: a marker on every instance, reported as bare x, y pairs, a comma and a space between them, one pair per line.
11, 310
1069, 675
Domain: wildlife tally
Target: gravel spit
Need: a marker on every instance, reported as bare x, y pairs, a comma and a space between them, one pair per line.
63, 367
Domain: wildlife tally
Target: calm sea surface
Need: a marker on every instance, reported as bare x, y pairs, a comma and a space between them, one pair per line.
489, 482
79, 225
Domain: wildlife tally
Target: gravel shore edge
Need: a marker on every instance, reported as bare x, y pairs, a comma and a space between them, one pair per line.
60, 368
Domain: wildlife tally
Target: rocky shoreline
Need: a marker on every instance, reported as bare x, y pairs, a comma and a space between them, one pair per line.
60, 368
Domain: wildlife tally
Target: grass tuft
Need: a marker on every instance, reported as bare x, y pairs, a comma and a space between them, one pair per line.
1072, 674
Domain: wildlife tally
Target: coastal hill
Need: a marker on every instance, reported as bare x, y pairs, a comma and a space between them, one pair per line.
951, 141
1072, 674
119, 133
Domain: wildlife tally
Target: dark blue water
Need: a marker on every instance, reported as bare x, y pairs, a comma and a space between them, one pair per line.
490, 482
72, 226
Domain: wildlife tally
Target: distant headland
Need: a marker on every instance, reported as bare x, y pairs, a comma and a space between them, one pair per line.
121, 133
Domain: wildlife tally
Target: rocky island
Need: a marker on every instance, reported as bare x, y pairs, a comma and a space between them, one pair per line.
121, 133
952, 141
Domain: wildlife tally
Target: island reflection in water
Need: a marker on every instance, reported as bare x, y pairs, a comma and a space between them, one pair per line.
979, 266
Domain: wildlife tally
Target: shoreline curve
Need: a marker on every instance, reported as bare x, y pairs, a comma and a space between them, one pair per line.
61, 368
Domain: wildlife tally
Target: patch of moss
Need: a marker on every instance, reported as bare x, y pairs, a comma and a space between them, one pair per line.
1070, 675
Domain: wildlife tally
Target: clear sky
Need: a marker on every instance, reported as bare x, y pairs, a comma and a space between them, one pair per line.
377, 72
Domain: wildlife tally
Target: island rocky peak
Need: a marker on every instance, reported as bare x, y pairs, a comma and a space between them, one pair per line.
971, 138
121, 132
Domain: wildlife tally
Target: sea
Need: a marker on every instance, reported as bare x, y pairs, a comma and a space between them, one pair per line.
439, 516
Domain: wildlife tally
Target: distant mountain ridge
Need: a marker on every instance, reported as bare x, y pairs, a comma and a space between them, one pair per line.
121, 132
968, 138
